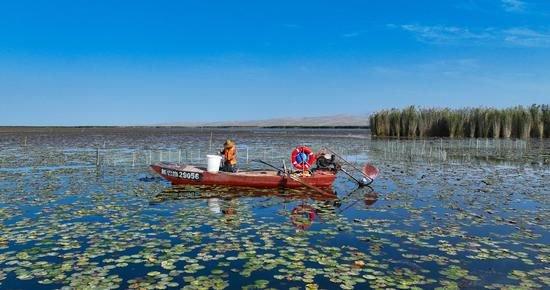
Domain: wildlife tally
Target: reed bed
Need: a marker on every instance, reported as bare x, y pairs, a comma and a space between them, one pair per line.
411, 122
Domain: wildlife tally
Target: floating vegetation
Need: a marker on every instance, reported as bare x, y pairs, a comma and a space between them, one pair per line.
430, 225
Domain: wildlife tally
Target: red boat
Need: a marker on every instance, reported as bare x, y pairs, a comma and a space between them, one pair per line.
317, 175
192, 175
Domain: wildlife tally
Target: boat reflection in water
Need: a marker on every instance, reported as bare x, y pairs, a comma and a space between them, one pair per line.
307, 205
370, 198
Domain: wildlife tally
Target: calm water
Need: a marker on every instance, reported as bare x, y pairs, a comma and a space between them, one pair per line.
427, 222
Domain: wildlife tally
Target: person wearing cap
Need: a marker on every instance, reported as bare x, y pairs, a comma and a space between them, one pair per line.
229, 153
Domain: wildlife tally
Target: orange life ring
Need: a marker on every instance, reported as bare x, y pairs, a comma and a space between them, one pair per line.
307, 214
302, 158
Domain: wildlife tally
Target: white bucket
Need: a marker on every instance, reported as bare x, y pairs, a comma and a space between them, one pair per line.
214, 162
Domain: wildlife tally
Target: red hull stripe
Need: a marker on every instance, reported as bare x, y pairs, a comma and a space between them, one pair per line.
266, 179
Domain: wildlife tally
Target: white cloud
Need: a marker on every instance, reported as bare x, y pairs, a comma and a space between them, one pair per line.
445, 34
527, 37
513, 5
515, 36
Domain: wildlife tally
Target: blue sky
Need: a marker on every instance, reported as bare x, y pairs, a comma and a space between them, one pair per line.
149, 62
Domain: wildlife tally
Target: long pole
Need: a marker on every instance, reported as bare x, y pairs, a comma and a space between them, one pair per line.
360, 183
210, 145
296, 178
97, 157
353, 166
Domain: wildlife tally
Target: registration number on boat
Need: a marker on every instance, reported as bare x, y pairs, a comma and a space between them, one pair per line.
181, 174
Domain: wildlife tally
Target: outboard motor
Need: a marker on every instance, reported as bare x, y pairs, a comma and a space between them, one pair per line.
327, 161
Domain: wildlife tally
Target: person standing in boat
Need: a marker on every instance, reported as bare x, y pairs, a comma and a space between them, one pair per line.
229, 153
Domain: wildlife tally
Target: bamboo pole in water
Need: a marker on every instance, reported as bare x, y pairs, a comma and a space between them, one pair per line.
210, 145
97, 157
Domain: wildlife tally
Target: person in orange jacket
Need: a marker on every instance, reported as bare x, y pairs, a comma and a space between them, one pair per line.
229, 153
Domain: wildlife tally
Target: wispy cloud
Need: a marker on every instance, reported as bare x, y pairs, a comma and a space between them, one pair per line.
354, 33
527, 37
445, 34
351, 34
514, 36
513, 5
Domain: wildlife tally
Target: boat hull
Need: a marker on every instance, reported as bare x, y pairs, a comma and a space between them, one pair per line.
190, 175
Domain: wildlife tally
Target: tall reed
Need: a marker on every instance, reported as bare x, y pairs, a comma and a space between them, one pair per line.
395, 123
494, 119
506, 122
546, 120
412, 122
538, 121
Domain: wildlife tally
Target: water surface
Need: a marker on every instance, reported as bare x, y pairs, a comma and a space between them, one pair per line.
454, 220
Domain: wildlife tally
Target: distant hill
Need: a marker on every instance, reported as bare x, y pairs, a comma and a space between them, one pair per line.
323, 121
